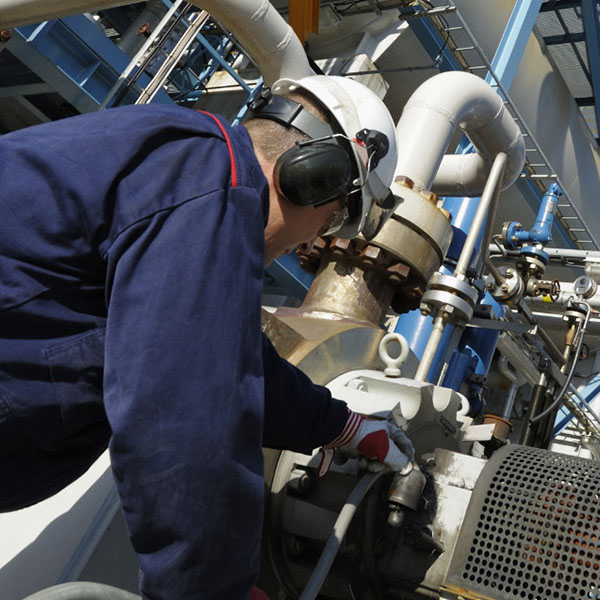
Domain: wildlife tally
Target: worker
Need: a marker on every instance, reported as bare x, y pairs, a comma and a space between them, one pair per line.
132, 248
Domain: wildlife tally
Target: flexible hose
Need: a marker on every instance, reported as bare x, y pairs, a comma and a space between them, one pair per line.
82, 590
579, 343
337, 535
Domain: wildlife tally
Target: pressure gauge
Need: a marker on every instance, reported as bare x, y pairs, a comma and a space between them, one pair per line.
584, 286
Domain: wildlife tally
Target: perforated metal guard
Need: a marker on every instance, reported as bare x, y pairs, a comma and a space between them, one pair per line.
532, 529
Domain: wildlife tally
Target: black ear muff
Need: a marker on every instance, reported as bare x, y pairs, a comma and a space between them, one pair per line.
313, 174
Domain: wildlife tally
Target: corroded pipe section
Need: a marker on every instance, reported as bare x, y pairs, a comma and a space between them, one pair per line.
348, 288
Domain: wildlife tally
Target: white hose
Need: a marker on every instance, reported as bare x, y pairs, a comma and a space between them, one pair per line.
337, 535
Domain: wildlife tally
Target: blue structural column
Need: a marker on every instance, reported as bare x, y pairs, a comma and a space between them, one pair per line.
513, 41
590, 12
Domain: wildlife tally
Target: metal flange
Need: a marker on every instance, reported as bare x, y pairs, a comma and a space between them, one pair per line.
454, 296
511, 290
418, 233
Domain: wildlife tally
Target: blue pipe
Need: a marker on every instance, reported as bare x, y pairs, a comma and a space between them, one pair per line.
471, 360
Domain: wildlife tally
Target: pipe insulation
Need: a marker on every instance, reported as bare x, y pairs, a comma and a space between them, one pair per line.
430, 117
83, 590
256, 24
264, 34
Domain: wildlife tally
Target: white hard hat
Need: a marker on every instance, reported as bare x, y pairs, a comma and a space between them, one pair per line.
355, 107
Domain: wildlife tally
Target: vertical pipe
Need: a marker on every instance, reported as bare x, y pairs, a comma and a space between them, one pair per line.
439, 324
131, 41
490, 193
510, 400
536, 405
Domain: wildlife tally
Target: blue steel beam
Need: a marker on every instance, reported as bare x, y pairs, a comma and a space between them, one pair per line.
590, 13
288, 278
74, 57
513, 41
564, 38
433, 44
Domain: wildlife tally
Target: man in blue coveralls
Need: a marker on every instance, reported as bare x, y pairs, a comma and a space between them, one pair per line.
132, 248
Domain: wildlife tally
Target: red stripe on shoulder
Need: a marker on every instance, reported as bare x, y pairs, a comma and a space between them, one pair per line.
229, 146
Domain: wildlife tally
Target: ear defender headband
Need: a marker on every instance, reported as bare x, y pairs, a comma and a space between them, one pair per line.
314, 172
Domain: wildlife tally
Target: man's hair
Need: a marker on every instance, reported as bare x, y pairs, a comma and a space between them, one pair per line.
272, 139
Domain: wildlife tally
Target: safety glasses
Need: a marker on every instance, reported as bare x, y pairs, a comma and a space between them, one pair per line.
336, 221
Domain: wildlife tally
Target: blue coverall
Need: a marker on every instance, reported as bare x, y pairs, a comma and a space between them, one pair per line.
131, 271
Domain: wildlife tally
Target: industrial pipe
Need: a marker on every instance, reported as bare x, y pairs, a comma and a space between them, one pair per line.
439, 324
488, 199
516, 381
257, 25
131, 41
436, 108
83, 590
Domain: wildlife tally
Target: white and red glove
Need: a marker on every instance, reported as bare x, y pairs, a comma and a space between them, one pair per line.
257, 594
374, 438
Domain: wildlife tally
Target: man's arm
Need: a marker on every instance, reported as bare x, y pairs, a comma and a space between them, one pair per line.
299, 415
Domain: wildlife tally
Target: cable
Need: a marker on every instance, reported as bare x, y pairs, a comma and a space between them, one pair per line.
83, 590
579, 336
337, 535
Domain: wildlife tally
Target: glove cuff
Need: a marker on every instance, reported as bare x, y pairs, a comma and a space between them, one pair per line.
352, 425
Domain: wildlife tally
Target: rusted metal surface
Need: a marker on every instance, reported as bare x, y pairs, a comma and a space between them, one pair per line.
352, 289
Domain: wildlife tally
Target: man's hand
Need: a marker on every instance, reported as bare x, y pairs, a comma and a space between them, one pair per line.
376, 439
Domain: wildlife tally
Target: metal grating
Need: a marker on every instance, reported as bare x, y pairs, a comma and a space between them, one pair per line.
571, 60
532, 529
562, 27
589, 114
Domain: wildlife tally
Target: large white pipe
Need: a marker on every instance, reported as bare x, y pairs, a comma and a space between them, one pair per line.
263, 32
260, 29
440, 105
